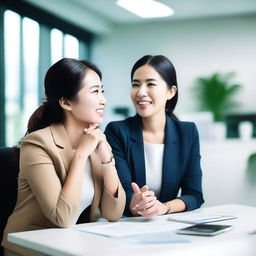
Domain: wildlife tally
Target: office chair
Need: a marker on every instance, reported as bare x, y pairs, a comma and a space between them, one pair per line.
9, 169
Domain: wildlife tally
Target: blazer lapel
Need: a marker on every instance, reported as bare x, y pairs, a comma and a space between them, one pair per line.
170, 160
62, 142
137, 150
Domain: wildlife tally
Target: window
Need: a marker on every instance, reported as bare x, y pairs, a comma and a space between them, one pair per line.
63, 45
25, 49
56, 45
12, 24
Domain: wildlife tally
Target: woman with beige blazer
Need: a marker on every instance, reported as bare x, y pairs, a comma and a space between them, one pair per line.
67, 169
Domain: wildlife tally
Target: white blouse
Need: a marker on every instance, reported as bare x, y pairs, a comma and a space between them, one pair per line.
87, 189
154, 164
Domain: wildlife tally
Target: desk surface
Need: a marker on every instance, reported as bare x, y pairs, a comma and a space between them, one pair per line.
72, 242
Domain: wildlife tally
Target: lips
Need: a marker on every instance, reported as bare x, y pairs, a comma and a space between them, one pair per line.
100, 110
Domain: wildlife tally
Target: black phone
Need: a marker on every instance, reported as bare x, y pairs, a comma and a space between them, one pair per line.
204, 230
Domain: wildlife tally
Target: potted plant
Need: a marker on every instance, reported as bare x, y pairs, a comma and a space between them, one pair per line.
215, 94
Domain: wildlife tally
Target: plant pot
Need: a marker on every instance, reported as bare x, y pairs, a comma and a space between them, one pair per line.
219, 131
245, 129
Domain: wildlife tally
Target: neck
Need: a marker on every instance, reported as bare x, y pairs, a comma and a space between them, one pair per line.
74, 132
154, 124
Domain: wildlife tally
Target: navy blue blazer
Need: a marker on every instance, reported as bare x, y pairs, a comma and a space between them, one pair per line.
181, 159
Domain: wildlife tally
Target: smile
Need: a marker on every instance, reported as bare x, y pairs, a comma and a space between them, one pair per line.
144, 102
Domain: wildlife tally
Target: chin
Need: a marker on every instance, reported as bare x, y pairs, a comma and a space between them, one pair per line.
95, 121
144, 114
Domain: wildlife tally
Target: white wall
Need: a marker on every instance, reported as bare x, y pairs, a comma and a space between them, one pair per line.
196, 47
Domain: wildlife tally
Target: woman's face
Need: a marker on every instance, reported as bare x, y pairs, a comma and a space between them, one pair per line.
88, 106
150, 92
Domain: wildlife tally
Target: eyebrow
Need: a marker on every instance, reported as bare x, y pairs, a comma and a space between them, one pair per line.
147, 80
96, 86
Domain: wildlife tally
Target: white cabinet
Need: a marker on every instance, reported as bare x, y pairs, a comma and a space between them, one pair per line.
225, 176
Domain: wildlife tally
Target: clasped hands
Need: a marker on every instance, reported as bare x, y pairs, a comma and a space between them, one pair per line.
94, 140
145, 203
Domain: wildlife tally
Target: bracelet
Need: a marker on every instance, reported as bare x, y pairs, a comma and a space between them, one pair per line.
168, 208
111, 162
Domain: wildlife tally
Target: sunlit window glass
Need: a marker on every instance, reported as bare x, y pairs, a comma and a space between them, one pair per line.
56, 45
71, 46
12, 76
31, 53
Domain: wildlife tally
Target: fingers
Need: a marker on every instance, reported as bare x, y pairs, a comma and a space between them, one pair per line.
91, 128
147, 194
152, 211
135, 187
144, 188
145, 199
146, 203
140, 200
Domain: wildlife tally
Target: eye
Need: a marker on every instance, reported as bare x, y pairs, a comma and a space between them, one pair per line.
135, 85
95, 91
151, 84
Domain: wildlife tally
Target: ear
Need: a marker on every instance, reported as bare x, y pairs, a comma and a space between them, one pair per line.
65, 104
172, 92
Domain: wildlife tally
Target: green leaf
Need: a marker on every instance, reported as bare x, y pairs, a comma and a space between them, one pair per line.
215, 93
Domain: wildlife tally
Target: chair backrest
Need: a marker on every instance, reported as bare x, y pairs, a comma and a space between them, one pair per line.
9, 169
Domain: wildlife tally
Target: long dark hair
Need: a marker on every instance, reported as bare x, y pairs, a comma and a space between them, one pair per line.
166, 70
63, 79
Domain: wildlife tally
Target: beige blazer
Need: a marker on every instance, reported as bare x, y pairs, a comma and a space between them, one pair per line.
45, 157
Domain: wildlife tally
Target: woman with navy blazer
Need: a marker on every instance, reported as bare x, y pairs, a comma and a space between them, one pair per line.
156, 154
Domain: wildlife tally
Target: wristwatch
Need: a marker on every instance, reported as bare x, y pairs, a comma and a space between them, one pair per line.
111, 162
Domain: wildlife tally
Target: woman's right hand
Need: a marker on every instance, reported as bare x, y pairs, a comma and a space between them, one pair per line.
89, 141
141, 198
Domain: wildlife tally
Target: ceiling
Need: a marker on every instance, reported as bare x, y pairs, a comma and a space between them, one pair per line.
183, 9
105, 13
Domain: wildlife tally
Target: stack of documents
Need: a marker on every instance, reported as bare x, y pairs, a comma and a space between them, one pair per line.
197, 218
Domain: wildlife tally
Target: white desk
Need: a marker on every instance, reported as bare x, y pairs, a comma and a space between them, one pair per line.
72, 242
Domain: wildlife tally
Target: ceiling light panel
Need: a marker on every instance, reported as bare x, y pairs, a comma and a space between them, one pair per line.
146, 8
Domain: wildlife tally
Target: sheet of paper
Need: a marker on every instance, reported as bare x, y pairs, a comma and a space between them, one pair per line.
125, 229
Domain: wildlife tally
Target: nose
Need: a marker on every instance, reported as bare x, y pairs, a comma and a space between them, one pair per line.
142, 91
103, 100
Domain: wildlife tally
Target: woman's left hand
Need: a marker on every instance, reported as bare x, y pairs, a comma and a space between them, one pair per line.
154, 209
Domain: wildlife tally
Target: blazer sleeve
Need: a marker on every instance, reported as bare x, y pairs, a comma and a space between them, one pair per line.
38, 169
117, 142
112, 207
191, 183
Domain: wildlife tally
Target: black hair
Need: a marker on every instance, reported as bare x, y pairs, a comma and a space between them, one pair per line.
166, 70
63, 79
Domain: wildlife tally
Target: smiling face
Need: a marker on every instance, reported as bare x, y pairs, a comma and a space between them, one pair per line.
150, 92
88, 106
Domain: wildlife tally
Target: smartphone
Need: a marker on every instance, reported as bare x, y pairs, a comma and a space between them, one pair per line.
204, 230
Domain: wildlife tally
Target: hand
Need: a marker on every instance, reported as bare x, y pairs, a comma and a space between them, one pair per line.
141, 199
89, 140
155, 208
145, 203
103, 149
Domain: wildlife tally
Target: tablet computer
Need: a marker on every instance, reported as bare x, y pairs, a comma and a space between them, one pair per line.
204, 230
